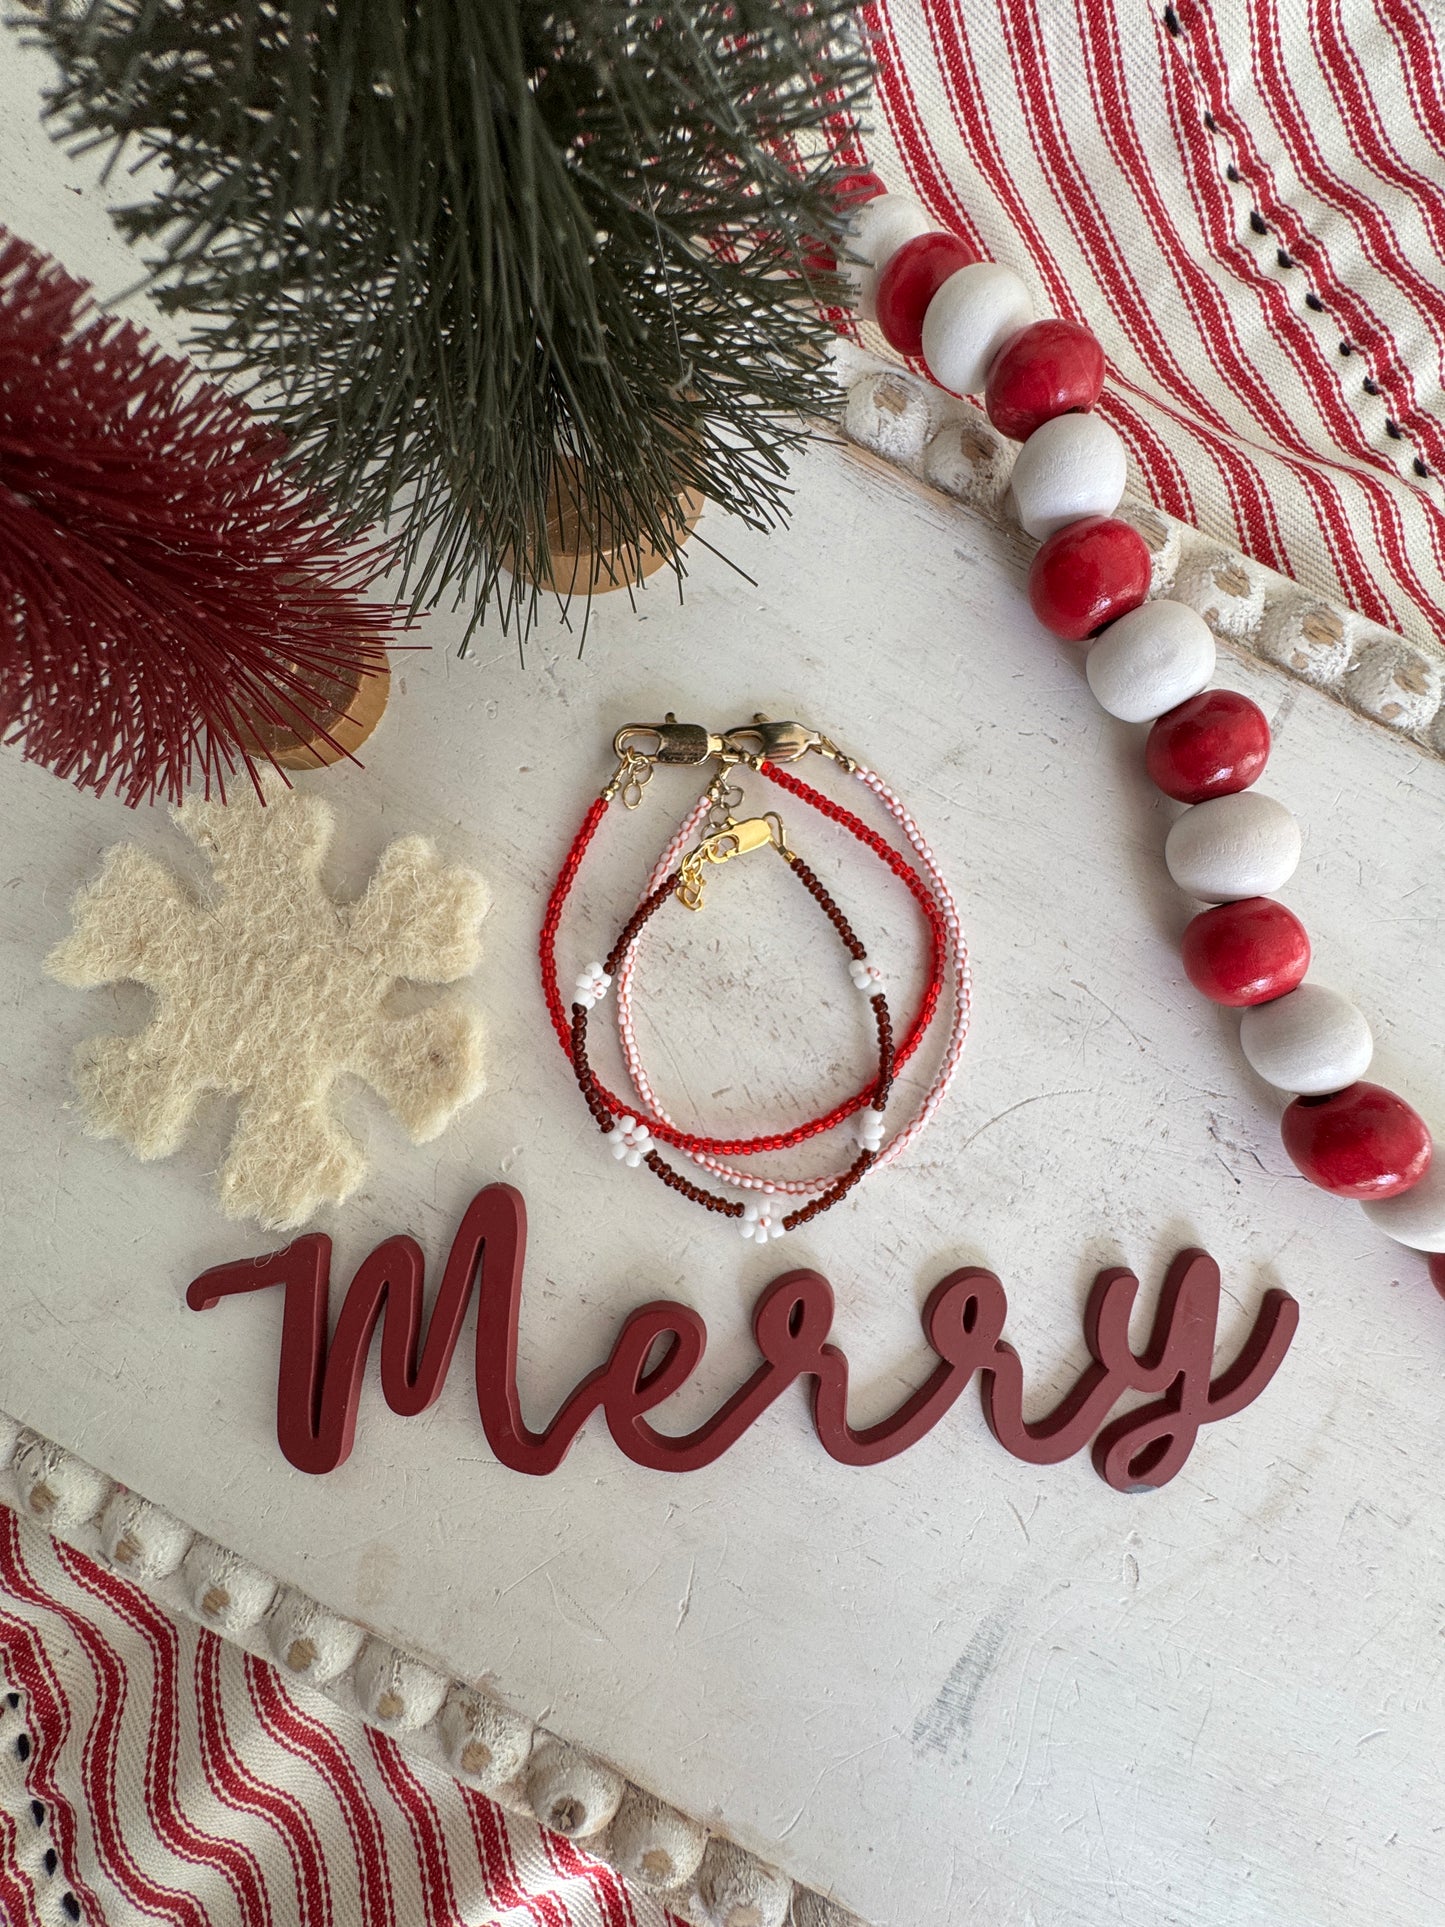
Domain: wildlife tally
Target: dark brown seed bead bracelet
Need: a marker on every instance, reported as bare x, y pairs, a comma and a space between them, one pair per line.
606, 1121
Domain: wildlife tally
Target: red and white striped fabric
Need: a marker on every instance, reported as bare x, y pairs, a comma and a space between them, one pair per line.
1246, 202
149, 1771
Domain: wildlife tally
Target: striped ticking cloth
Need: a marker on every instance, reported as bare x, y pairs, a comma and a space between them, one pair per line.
151, 1771
1246, 201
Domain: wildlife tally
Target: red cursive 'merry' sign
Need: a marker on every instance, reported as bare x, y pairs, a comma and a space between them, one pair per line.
660, 1345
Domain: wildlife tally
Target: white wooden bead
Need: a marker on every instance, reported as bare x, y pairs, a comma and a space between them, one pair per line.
736, 1890
1417, 1217
816, 1910
654, 1845
395, 1691
894, 415
223, 1589
1068, 468
883, 225
1233, 846
316, 1645
1150, 660
54, 1486
970, 318
969, 460
570, 1792
140, 1539
875, 234
1228, 590
1311, 1041
484, 1741
1392, 681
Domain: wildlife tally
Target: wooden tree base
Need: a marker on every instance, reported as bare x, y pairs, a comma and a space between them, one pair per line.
586, 555
351, 707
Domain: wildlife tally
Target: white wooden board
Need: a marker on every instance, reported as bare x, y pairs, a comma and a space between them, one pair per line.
952, 1688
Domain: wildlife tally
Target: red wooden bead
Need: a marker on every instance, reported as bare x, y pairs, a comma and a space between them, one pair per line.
1087, 574
1245, 953
1049, 368
1213, 745
1361, 1142
910, 281
848, 196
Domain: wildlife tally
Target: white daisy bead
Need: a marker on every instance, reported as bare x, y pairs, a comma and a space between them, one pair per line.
592, 986
866, 976
630, 1141
868, 1130
762, 1219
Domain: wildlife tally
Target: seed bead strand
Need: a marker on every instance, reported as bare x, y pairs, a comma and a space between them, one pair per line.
552, 918
632, 1140
956, 967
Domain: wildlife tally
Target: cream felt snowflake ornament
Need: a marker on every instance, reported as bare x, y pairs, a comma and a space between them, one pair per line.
270, 989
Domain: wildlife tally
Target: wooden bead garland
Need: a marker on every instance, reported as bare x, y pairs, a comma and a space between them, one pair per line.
1090, 579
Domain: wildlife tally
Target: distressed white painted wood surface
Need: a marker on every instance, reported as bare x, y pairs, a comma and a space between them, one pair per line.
948, 1689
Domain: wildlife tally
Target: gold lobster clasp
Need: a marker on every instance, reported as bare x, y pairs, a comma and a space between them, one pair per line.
639, 747
763, 740
721, 846
667, 742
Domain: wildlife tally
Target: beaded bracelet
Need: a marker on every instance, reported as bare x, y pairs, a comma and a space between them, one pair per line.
1150, 662
688, 744
956, 969
632, 1141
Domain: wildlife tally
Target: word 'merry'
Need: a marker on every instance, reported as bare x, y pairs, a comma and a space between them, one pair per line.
660, 1345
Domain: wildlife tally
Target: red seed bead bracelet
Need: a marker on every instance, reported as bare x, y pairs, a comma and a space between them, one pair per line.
1150, 662
631, 771
631, 1141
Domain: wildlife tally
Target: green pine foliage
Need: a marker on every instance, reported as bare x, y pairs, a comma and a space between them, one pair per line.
445, 242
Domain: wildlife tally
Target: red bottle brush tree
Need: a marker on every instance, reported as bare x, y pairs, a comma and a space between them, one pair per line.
165, 589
